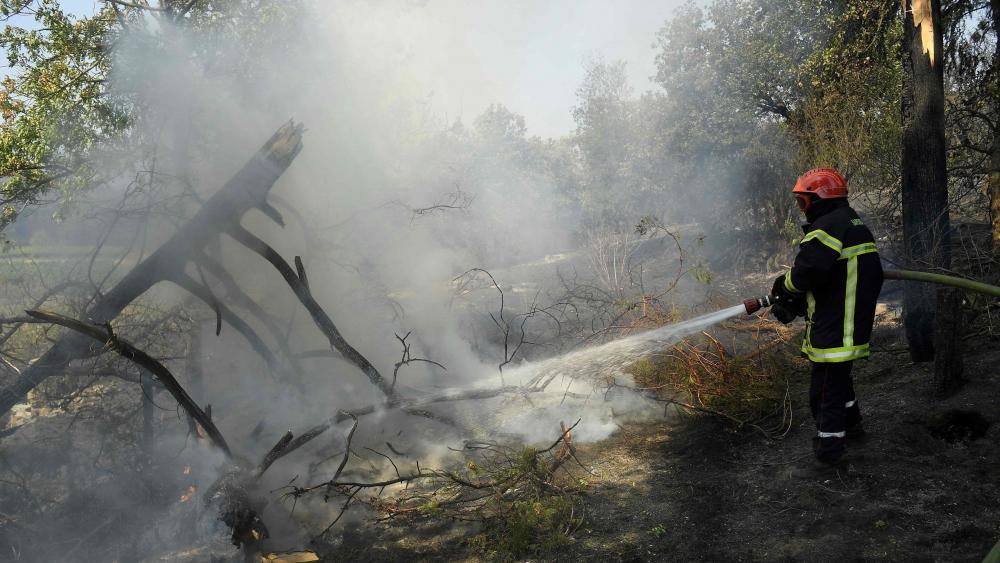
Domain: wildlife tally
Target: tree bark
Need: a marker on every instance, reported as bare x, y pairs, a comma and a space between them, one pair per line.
993, 178
993, 182
948, 352
924, 168
247, 189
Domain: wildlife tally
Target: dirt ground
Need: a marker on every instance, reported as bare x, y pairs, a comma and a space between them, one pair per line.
699, 491
924, 487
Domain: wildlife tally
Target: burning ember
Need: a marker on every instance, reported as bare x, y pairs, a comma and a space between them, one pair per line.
190, 493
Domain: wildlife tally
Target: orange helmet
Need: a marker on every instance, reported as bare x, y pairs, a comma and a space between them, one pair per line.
824, 183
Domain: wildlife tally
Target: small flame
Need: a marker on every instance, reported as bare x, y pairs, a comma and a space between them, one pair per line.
187, 469
190, 493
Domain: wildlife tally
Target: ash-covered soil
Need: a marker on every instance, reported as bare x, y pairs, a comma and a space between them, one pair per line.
924, 487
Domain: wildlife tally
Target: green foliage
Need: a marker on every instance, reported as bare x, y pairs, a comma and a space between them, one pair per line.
757, 91
730, 74
526, 528
851, 118
515, 492
55, 104
430, 508
614, 185
702, 273
66, 125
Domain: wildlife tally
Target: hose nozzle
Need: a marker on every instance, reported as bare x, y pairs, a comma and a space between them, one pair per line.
757, 303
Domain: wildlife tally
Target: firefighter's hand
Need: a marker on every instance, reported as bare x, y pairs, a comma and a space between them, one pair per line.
782, 313
778, 290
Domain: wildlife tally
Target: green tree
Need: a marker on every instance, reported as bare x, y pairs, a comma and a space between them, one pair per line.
56, 103
850, 119
733, 85
65, 121
606, 137
972, 78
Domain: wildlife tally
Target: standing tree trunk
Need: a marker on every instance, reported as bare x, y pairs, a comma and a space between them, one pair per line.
993, 89
948, 342
924, 168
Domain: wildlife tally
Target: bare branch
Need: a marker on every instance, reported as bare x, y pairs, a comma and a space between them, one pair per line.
184, 281
241, 299
319, 315
407, 359
125, 4
347, 449
127, 350
274, 453
272, 213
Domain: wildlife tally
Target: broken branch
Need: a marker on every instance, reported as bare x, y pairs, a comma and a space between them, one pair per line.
244, 191
104, 333
319, 315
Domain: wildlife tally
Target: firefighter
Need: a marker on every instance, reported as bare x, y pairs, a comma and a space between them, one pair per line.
834, 283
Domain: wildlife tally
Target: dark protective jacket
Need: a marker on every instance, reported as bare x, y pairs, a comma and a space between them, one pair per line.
839, 270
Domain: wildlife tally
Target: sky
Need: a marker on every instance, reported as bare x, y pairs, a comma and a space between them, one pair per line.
530, 54
526, 54
80, 7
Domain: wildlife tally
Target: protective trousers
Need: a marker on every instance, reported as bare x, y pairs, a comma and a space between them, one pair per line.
834, 408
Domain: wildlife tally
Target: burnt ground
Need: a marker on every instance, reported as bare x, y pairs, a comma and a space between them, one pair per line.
925, 486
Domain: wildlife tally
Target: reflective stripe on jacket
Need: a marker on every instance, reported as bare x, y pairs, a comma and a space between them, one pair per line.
839, 270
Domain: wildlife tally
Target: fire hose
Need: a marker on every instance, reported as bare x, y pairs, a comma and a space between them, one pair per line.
757, 303
962, 283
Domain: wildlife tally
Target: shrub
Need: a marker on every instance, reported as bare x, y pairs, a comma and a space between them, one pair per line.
702, 375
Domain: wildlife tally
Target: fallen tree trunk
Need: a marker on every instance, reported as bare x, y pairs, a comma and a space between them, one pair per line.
246, 190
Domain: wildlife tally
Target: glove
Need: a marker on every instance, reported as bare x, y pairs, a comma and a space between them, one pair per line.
789, 305
778, 290
782, 313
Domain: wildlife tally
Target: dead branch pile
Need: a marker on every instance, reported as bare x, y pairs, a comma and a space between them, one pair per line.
499, 486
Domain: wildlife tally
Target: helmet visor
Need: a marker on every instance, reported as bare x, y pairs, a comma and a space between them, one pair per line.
803, 200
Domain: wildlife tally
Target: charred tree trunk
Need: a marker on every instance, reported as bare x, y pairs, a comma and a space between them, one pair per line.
948, 348
924, 169
244, 191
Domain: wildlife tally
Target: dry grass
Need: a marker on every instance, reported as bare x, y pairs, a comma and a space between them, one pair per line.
748, 388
